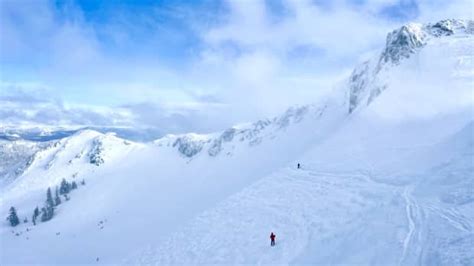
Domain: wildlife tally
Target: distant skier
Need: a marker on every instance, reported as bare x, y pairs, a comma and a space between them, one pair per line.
299, 165
272, 238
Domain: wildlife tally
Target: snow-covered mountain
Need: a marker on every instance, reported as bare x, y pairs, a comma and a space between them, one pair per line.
387, 177
372, 77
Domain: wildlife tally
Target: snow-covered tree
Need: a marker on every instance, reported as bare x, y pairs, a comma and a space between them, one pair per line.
48, 210
73, 185
83, 182
44, 214
35, 215
65, 187
49, 198
57, 199
13, 217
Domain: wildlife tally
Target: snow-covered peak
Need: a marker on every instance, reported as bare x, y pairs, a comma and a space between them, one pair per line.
451, 26
84, 150
407, 39
402, 42
370, 78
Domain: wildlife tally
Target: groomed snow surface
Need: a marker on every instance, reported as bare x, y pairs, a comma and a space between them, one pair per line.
391, 183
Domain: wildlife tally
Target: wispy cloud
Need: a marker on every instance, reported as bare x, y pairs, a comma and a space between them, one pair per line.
35, 104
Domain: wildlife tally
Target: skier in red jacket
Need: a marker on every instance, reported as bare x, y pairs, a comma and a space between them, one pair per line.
272, 238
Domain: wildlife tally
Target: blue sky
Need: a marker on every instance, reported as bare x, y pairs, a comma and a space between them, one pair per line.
186, 65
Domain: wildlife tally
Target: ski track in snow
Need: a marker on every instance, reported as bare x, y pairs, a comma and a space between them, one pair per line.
414, 214
452, 216
415, 240
331, 211
411, 223
269, 205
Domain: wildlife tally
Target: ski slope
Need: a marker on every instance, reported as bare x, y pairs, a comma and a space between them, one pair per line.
348, 212
402, 196
387, 178
307, 209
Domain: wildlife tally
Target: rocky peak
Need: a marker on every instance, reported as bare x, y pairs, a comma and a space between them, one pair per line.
365, 83
403, 42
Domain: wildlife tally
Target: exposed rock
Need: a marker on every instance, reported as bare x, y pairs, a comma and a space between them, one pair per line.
188, 146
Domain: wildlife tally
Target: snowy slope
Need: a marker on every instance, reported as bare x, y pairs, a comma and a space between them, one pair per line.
149, 190
340, 212
387, 177
394, 185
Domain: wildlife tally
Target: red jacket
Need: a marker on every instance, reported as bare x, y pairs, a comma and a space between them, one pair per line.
272, 236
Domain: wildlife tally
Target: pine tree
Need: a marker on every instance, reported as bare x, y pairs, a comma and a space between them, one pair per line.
44, 215
13, 217
73, 185
65, 187
35, 215
49, 198
57, 199
83, 182
48, 209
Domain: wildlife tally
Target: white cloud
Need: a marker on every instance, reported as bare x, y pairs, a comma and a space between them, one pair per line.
432, 11
251, 26
252, 56
36, 104
252, 63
